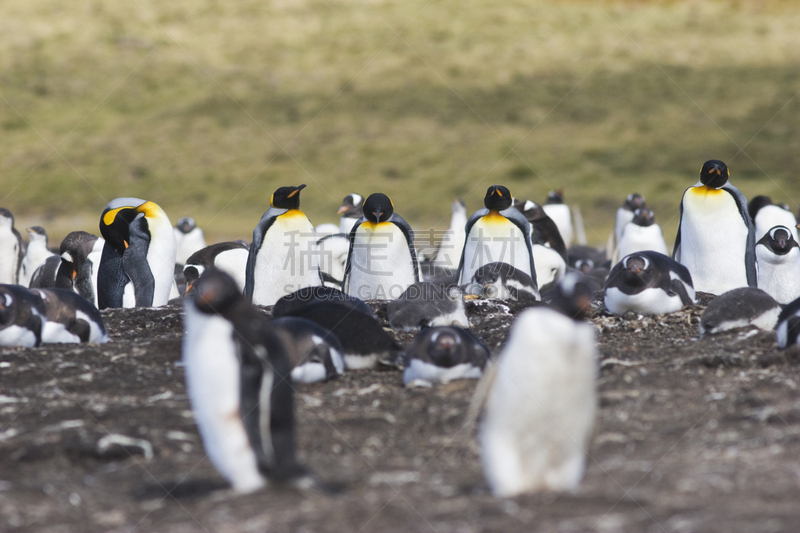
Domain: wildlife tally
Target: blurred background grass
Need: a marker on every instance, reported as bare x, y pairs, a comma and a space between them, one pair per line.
207, 106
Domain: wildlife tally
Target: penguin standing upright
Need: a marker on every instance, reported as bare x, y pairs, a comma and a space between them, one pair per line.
351, 210
382, 261
450, 246
239, 385
36, 254
624, 215
778, 256
12, 248
138, 261
715, 239
498, 233
188, 239
281, 258
556, 209
640, 234
766, 215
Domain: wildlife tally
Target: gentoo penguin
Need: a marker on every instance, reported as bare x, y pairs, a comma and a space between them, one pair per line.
766, 215
351, 210
427, 304
46, 274
501, 281
641, 233
541, 406
543, 230
788, 328
188, 239
22, 316
282, 253
239, 385
498, 233
778, 258
315, 353
288, 304
572, 295
12, 248
648, 283
715, 239
382, 261
80, 259
36, 254
332, 253
138, 261
71, 318
230, 257
448, 252
443, 354
625, 213
739, 308
557, 210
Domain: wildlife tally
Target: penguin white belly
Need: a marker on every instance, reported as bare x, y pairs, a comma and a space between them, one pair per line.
652, 301
779, 275
161, 259
541, 407
56, 332
713, 240
36, 255
431, 373
9, 259
188, 243
95, 333
623, 217
332, 253
452, 244
550, 266
213, 384
309, 372
494, 238
17, 336
128, 296
637, 238
94, 256
346, 224
286, 260
234, 262
770, 216
561, 215
381, 267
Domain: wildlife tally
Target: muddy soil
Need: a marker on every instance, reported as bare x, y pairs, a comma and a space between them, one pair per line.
692, 435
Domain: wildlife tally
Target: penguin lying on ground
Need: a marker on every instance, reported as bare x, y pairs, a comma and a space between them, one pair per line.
230, 257
501, 281
426, 304
290, 303
788, 329
315, 353
648, 283
239, 385
188, 239
443, 354
22, 317
739, 308
70, 318
36, 254
778, 256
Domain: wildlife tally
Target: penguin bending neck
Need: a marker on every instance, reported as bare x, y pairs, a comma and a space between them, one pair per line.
714, 174
287, 197
498, 198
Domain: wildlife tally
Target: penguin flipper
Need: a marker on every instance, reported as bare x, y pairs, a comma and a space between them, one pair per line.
678, 288
81, 329
267, 220
352, 237
518, 219
134, 261
750, 251
477, 215
404, 226
676, 248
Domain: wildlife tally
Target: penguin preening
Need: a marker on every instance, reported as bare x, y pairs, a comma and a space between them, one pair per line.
382, 261
12, 248
778, 256
239, 385
138, 261
541, 405
282, 254
188, 239
498, 233
715, 239
36, 254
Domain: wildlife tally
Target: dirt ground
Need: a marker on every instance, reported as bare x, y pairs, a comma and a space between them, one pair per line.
692, 435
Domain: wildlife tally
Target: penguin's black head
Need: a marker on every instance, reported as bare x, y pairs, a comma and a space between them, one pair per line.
633, 202
378, 208
714, 173
186, 224
287, 197
584, 265
756, 204
497, 198
444, 347
216, 292
779, 240
116, 219
352, 206
191, 273
555, 197
644, 217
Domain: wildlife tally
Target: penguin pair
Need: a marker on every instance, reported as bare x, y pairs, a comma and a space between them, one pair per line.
381, 261
498, 233
716, 238
138, 261
31, 317
282, 254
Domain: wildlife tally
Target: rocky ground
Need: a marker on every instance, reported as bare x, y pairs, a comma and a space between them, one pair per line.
692, 435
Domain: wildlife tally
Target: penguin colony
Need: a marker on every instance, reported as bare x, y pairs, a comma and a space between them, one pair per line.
538, 396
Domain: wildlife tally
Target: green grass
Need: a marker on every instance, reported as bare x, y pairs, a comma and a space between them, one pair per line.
206, 107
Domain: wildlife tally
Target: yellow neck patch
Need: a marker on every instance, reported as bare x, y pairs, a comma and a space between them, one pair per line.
494, 217
705, 190
293, 213
373, 226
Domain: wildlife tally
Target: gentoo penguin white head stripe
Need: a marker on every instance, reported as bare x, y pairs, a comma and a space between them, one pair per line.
237, 373
738, 308
351, 210
778, 240
71, 318
22, 317
443, 354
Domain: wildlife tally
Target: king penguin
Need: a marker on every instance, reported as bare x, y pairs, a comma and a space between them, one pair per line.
36, 254
382, 261
498, 233
12, 248
281, 258
541, 405
715, 239
239, 385
778, 256
138, 261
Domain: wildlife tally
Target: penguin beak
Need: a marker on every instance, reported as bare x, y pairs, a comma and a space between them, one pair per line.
74, 274
378, 214
341, 210
188, 288
296, 190
126, 244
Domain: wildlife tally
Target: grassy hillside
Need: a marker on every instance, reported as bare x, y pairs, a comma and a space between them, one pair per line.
207, 106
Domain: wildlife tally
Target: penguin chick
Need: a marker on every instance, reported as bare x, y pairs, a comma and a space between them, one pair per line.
315, 352
239, 385
70, 318
444, 353
427, 304
778, 257
501, 281
648, 283
36, 254
739, 308
22, 316
188, 239
788, 329
541, 406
